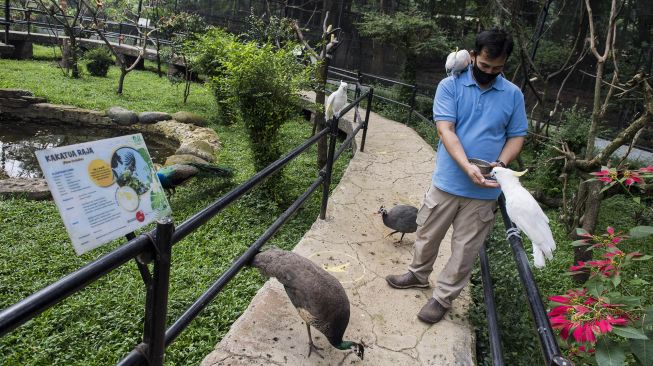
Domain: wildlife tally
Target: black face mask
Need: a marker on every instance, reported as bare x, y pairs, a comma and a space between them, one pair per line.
483, 77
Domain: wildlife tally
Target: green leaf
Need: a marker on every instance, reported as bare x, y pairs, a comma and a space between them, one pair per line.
637, 199
580, 243
640, 231
616, 280
638, 282
609, 353
643, 258
581, 231
643, 349
626, 300
629, 332
595, 286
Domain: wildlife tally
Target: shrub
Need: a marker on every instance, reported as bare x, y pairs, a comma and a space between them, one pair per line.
263, 83
99, 60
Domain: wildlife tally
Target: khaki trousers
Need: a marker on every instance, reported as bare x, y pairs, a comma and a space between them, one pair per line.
472, 220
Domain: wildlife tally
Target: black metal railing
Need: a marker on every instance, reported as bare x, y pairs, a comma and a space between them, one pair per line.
156, 246
335, 73
121, 31
548, 343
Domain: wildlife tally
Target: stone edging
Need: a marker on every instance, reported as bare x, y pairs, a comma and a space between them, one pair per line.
196, 144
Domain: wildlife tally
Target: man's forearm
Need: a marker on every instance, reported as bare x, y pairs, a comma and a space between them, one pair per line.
511, 149
454, 148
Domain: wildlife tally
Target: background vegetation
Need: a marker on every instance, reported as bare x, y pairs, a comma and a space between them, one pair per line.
101, 324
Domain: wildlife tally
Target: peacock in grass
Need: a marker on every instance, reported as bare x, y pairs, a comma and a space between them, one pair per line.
175, 175
318, 296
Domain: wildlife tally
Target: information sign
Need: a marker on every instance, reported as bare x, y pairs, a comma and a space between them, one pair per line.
104, 189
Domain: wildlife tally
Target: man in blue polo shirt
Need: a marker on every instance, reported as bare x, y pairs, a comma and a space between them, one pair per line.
479, 114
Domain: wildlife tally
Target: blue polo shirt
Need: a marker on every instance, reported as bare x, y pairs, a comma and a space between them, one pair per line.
483, 120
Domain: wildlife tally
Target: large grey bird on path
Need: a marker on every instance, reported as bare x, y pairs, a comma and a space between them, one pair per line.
401, 218
318, 296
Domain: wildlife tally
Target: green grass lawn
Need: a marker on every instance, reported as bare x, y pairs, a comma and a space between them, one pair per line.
143, 90
102, 323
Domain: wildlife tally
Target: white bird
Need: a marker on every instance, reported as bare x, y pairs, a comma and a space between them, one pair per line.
457, 61
526, 213
336, 101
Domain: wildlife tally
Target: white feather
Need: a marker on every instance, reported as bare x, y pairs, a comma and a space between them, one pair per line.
457, 61
336, 101
527, 214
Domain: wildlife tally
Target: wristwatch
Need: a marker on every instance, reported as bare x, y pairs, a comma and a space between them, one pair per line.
501, 163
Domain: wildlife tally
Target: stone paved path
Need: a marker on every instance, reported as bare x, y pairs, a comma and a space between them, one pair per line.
395, 168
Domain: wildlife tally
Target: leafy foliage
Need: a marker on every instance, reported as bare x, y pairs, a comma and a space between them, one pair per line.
276, 31
99, 61
412, 31
263, 83
102, 323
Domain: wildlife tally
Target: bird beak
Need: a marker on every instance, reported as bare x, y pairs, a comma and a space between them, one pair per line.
519, 174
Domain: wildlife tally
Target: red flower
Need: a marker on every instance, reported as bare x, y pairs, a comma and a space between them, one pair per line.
606, 175
583, 317
648, 169
631, 177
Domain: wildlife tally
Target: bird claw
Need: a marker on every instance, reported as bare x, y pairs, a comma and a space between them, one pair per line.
311, 347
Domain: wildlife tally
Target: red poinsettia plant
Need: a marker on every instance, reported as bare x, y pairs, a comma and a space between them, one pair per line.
626, 178
601, 320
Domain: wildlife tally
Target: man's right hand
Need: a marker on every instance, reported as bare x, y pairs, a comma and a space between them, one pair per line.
474, 173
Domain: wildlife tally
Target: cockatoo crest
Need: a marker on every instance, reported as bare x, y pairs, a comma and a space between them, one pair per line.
457, 61
336, 101
526, 213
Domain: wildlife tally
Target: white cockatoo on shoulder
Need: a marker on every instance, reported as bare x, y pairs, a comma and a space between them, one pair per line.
526, 213
336, 101
457, 61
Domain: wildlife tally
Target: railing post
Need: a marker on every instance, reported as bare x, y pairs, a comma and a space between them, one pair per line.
6, 21
28, 15
412, 104
120, 33
370, 96
156, 306
552, 355
490, 308
333, 135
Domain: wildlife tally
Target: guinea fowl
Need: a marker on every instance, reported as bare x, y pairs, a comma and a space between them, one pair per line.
401, 218
319, 298
174, 175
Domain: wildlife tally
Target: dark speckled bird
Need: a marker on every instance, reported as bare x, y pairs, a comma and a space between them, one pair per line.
401, 218
174, 175
318, 296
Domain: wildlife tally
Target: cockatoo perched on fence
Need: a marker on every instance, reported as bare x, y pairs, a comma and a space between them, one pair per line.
526, 214
457, 61
336, 101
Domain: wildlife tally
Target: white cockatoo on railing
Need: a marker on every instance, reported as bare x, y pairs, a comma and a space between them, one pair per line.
526, 213
336, 101
457, 61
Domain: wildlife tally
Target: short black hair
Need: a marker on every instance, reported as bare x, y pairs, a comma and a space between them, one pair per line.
496, 42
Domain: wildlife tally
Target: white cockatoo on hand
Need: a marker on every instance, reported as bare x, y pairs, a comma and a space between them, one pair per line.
457, 61
526, 213
336, 101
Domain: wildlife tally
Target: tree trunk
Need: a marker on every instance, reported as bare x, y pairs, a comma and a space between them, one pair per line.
596, 110
121, 81
320, 122
588, 204
73, 57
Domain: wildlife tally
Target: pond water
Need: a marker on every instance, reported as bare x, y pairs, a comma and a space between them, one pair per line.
19, 141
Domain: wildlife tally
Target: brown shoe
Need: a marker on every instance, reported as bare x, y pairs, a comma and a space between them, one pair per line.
432, 312
406, 280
